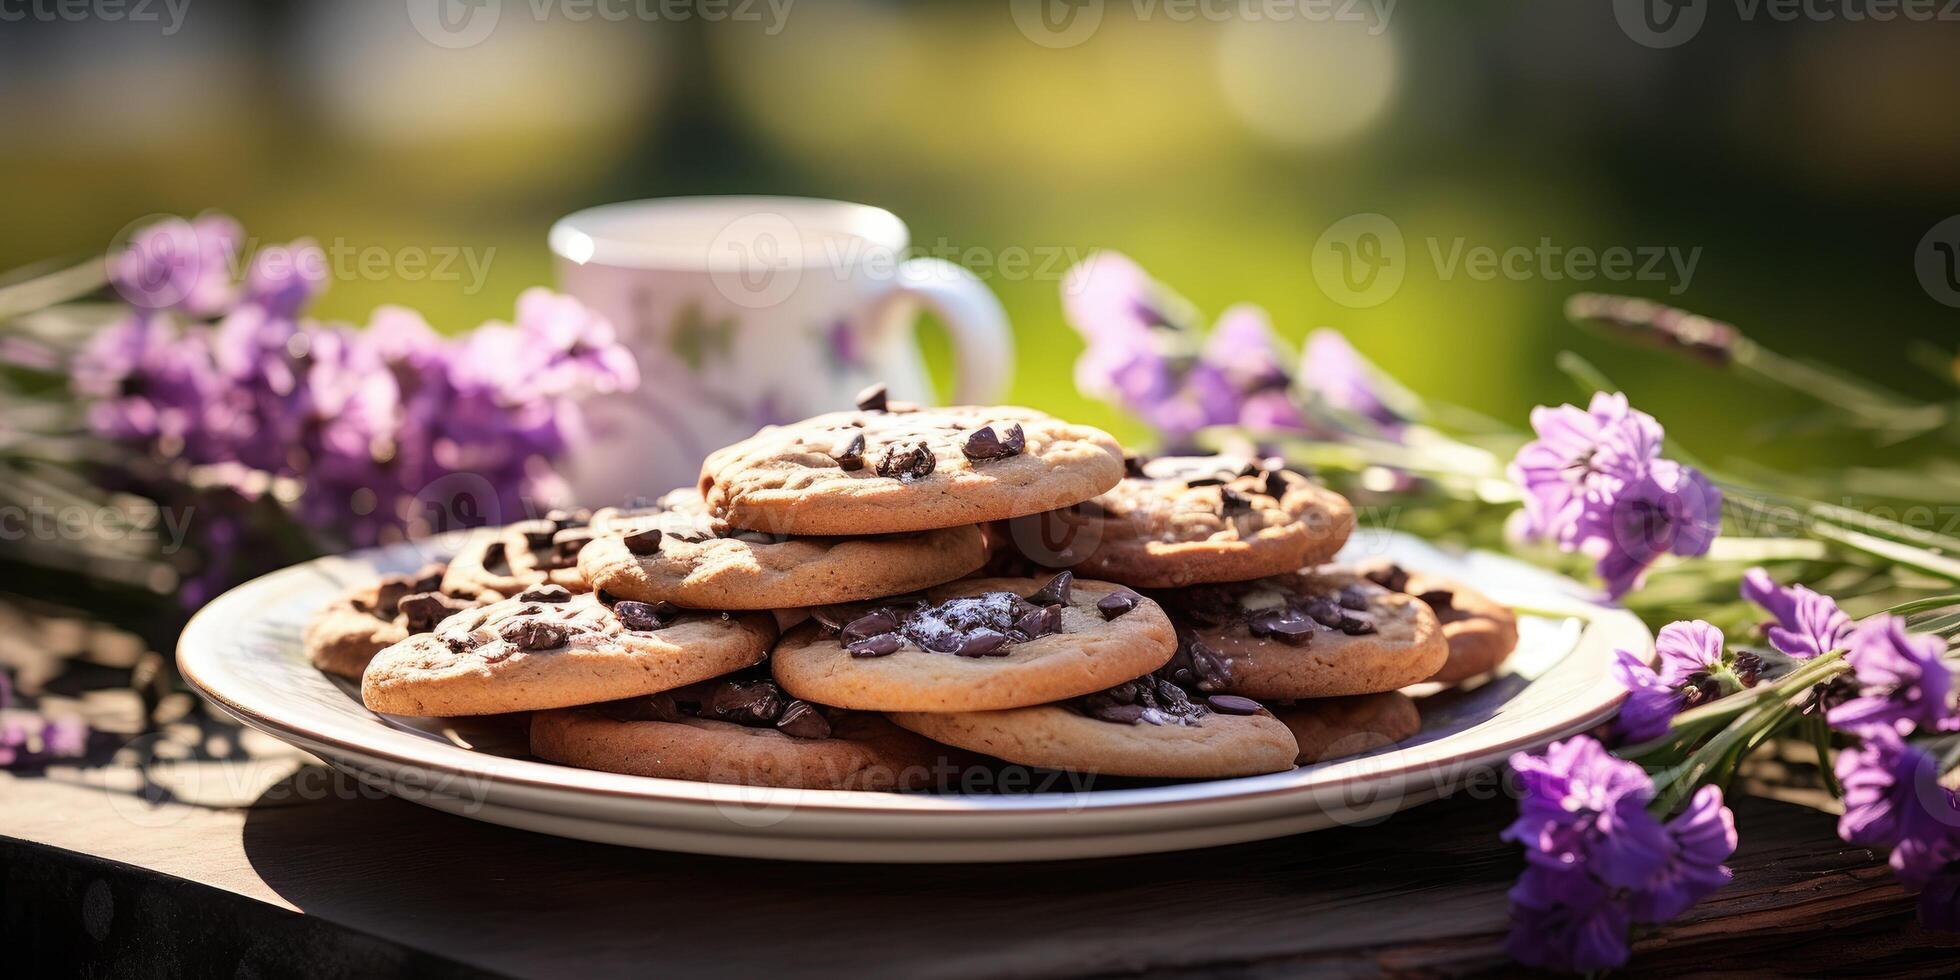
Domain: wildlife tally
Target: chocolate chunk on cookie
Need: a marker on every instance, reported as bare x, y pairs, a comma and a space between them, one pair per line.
744, 730
890, 467
1146, 726
558, 649
373, 616
1182, 520
1481, 631
500, 562
684, 556
973, 645
1322, 632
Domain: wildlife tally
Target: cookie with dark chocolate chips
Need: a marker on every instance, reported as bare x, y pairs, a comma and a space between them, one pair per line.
880, 470
498, 562
375, 615
1151, 725
1321, 632
744, 730
1481, 631
973, 645
1182, 520
684, 556
552, 648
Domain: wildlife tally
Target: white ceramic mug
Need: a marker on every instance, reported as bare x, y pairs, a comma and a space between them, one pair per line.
746, 311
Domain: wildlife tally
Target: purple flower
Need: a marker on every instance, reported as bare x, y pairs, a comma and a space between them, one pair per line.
65, 738
1893, 798
1109, 299
1583, 809
1694, 669
1807, 623
1566, 921
1130, 359
179, 265
283, 279
1598, 861
1573, 447
1333, 370
1629, 525
1699, 839
1892, 793
1931, 868
150, 382
31, 741
1143, 356
578, 351
1651, 703
1243, 352
1903, 682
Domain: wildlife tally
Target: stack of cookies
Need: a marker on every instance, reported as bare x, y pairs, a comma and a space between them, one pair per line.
888, 597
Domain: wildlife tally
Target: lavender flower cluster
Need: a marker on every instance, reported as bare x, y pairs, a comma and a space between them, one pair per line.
1605, 849
1147, 353
1594, 482
214, 368
1598, 861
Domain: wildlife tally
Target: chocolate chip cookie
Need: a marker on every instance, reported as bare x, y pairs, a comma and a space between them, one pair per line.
890, 467
375, 615
976, 645
1317, 633
548, 647
1148, 726
683, 556
1181, 520
1333, 728
1481, 631
497, 563
743, 730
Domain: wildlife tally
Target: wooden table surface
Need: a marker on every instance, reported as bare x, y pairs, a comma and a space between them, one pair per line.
306, 870
203, 850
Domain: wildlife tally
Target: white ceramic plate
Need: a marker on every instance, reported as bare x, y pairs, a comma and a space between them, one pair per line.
243, 652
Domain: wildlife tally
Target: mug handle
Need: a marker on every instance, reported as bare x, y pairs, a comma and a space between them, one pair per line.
983, 345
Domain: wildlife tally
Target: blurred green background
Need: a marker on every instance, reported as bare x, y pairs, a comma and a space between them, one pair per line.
1806, 160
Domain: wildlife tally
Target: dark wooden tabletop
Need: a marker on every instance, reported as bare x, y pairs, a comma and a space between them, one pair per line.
201, 850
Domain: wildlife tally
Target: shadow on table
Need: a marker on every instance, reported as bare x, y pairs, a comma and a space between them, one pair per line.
522, 902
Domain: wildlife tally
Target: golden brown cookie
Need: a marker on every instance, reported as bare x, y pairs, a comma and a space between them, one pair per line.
1181, 520
1481, 631
885, 469
1318, 633
743, 731
551, 648
977, 645
1331, 728
497, 563
373, 616
1148, 726
683, 556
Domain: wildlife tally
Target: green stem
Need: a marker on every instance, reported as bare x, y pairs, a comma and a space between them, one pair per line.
1911, 606
1818, 732
1757, 716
